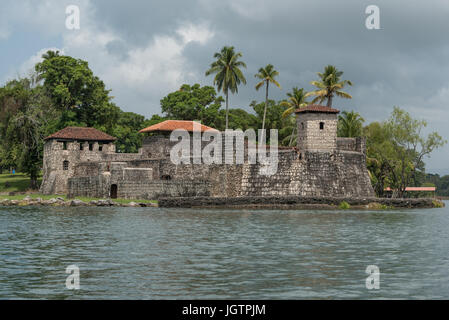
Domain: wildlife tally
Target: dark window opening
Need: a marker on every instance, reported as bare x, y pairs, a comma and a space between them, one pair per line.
114, 192
166, 177
100, 147
91, 146
302, 125
64, 145
81, 146
300, 156
321, 125
65, 165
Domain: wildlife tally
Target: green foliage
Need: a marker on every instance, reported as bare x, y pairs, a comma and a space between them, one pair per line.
395, 151
193, 103
28, 111
438, 204
76, 92
350, 124
344, 205
441, 183
274, 119
296, 99
202, 104
126, 130
329, 85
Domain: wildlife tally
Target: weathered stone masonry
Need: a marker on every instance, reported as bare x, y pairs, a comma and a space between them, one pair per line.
321, 165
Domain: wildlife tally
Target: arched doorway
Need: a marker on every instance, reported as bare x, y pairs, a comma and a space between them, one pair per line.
114, 191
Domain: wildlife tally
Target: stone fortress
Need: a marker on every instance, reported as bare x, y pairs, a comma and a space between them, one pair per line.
83, 162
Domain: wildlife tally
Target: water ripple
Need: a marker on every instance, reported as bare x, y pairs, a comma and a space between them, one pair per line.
151, 253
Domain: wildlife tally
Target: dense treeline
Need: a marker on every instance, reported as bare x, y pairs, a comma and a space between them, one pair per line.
441, 183
63, 91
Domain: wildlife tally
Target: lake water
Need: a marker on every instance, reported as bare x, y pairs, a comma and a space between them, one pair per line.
152, 253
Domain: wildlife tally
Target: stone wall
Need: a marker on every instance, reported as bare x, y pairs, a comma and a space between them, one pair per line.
352, 144
313, 174
99, 187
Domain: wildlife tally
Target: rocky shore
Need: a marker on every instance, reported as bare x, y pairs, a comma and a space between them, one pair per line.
295, 202
61, 202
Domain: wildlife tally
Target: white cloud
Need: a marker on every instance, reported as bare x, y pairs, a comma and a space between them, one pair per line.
147, 71
195, 33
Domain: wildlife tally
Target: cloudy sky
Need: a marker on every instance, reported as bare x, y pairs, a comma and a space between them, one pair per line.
146, 49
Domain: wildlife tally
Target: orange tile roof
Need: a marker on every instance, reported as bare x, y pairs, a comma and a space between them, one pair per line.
171, 125
81, 133
316, 108
415, 189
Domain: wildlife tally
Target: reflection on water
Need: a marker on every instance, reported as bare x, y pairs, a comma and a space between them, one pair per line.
151, 253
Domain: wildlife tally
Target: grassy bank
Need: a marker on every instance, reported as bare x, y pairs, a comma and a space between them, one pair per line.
18, 182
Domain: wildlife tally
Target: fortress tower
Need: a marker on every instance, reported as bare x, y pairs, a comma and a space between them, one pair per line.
65, 149
317, 128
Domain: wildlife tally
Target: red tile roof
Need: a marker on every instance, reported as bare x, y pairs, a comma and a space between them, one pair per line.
415, 189
171, 125
317, 108
80, 133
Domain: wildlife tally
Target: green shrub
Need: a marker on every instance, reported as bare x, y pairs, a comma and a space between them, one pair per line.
438, 204
344, 205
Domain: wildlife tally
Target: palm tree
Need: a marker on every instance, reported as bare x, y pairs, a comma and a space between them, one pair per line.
350, 124
329, 86
227, 72
296, 100
266, 75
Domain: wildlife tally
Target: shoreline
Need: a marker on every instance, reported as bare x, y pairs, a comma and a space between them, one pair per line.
62, 202
272, 202
295, 202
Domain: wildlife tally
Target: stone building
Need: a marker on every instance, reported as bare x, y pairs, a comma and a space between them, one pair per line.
83, 162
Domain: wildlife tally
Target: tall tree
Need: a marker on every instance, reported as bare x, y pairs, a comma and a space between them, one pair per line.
329, 85
193, 103
350, 124
267, 75
228, 75
396, 149
79, 95
296, 99
27, 125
